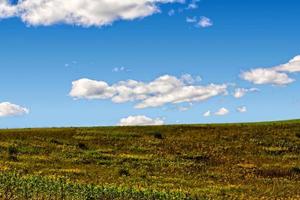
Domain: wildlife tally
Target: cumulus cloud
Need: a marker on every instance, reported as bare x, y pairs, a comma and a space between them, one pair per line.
207, 114
191, 19
140, 120
205, 22
242, 109
292, 66
8, 109
193, 4
266, 76
163, 90
240, 92
80, 12
277, 75
222, 111
202, 22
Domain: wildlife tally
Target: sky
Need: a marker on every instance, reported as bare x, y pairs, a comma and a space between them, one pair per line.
148, 62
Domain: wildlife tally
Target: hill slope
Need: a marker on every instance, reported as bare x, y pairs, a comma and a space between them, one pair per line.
245, 161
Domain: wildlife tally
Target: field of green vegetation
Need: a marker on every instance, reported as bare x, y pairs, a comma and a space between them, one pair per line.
229, 161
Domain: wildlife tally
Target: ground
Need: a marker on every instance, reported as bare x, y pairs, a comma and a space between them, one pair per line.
217, 161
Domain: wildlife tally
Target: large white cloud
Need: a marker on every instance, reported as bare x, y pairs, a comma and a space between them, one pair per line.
163, 90
277, 75
8, 109
80, 12
140, 120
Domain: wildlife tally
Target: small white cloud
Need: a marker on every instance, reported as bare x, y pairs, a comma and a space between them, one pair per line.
205, 22
193, 5
191, 19
242, 109
8, 109
189, 79
240, 92
222, 112
140, 120
207, 114
120, 69
171, 12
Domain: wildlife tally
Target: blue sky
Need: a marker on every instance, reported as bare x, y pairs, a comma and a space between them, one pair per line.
245, 44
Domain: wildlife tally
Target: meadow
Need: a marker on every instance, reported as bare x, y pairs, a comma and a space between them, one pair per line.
216, 161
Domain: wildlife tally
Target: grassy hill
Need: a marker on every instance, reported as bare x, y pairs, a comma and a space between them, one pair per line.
225, 161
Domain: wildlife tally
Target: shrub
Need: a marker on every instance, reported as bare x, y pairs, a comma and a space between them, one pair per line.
82, 146
54, 141
12, 153
158, 135
296, 170
124, 172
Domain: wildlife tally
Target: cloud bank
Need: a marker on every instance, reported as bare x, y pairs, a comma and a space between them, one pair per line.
80, 12
8, 109
163, 90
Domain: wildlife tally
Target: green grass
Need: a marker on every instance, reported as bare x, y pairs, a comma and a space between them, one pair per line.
211, 161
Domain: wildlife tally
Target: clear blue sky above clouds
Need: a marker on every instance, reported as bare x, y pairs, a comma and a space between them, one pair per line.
39, 62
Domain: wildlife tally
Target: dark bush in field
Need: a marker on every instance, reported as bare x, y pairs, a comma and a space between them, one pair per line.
124, 172
296, 170
12, 153
82, 146
158, 135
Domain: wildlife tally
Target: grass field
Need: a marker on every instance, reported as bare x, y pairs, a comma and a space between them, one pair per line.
226, 161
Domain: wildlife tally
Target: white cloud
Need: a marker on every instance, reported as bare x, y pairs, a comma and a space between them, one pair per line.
171, 12
205, 22
80, 12
207, 114
191, 19
189, 79
8, 109
261, 76
292, 66
140, 120
240, 92
277, 75
6, 10
91, 89
222, 111
193, 5
120, 69
163, 90
242, 109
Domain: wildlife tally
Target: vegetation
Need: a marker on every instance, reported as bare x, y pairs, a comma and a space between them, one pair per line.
226, 161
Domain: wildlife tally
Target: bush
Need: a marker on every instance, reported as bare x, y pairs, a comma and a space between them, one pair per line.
54, 141
296, 170
124, 172
82, 146
158, 135
12, 153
